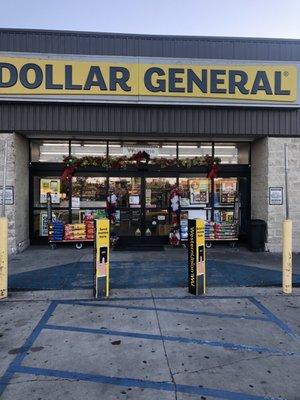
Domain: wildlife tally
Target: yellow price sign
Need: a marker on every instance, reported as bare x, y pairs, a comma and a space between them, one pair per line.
101, 257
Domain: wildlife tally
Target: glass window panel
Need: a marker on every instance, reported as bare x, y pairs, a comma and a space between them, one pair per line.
158, 192
233, 153
154, 149
127, 191
226, 190
40, 222
48, 151
196, 191
157, 223
89, 191
58, 188
194, 149
79, 216
127, 222
85, 148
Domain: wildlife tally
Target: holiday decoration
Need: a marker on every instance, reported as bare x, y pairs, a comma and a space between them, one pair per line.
174, 236
213, 166
69, 169
139, 159
175, 199
213, 172
111, 205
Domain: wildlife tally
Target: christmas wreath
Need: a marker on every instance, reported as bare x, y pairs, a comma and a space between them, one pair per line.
141, 157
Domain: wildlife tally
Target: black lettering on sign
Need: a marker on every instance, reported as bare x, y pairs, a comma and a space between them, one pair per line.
261, 82
193, 79
161, 83
49, 84
69, 85
215, 80
38, 76
95, 78
278, 89
173, 79
13, 75
115, 80
238, 80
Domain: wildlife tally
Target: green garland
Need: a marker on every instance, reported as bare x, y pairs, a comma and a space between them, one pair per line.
137, 160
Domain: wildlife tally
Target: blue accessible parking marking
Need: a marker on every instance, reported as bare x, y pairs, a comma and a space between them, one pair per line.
46, 325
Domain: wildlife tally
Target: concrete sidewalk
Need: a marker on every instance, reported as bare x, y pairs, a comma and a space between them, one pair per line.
161, 344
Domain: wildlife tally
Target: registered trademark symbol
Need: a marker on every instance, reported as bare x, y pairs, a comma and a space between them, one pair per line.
286, 73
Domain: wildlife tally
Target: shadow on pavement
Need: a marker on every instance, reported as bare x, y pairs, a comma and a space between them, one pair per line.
79, 275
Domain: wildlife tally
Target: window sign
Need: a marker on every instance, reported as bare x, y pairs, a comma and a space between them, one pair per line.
128, 150
9, 195
44, 223
275, 196
198, 191
51, 186
75, 203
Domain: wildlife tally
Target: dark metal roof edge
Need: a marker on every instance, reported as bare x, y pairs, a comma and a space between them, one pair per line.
152, 36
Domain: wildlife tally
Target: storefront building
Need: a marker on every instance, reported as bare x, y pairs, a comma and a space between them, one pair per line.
115, 122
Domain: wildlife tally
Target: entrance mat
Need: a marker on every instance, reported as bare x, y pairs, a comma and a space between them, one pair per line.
144, 274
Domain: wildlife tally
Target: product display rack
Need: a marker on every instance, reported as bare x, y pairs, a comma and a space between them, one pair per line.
222, 214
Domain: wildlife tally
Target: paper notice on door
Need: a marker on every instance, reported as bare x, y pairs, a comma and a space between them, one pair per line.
197, 214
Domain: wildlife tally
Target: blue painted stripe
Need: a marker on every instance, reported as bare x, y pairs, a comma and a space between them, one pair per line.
188, 297
272, 317
140, 383
178, 339
4, 380
176, 311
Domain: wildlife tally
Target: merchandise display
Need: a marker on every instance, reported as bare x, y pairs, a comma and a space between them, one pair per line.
56, 230
225, 231
209, 230
75, 232
89, 226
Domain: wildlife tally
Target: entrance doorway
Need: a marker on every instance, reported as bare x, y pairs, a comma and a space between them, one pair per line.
142, 206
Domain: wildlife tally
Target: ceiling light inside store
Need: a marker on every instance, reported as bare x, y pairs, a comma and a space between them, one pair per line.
53, 152
89, 154
219, 147
94, 145
169, 146
182, 146
188, 155
226, 155
56, 144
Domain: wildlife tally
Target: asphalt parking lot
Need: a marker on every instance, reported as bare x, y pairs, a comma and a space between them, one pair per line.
241, 343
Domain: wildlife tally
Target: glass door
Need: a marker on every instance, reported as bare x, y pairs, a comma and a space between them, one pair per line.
140, 205
157, 208
125, 204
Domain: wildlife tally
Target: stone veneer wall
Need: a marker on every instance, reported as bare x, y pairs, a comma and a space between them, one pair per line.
267, 170
18, 177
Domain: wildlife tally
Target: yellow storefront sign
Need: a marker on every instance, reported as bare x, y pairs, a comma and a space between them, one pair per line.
46, 77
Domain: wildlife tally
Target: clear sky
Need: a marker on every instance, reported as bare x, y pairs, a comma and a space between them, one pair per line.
250, 18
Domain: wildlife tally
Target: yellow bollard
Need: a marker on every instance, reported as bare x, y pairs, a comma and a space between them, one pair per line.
3, 257
287, 256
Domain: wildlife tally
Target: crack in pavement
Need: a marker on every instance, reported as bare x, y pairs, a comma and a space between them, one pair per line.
164, 347
227, 364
